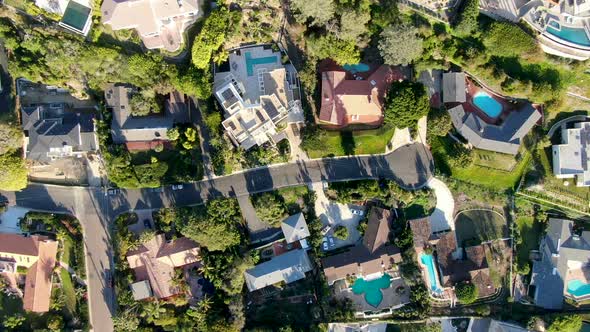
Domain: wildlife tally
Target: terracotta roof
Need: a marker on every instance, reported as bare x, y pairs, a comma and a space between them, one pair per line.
346, 101
38, 281
18, 244
421, 231
378, 229
156, 260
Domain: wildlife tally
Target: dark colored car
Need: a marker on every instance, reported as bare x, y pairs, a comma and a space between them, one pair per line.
146, 223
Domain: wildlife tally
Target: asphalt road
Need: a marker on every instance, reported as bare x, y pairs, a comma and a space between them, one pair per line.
411, 166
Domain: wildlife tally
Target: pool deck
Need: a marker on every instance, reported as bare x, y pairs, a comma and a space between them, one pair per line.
582, 274
390, 297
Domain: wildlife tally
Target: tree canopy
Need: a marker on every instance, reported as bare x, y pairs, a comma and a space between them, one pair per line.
341, 232
400, 44
466, 22
269, 208
566, 323
439, 122
214, 226
210, 38
406, 102
330, 47
10, 138
318, 11
466, 292
144, 103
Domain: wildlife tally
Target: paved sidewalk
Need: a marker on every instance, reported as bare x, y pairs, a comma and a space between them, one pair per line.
400, 138
442, 217
293, 133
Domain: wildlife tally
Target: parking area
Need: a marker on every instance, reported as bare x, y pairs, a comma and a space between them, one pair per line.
333, 214
144, 220
10, 218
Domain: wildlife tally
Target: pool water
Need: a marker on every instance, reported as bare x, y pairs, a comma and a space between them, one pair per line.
578, 288
428, 260
372, 289
572, 35
487, 104
251, 62
356, 68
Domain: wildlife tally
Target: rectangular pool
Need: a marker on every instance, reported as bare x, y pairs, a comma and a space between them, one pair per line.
428, 260
578, 288
251, 62
487, 104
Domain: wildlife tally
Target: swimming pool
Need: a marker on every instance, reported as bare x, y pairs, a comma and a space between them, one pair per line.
428, 260
251, 62
578, 288
572, 35
490, 106
372, 289
356, 68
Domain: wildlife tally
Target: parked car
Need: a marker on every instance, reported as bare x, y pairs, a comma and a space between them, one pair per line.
325, 246
177, 186
157, 190
113, 191
146, 223
331, 241
357, 212
326, 229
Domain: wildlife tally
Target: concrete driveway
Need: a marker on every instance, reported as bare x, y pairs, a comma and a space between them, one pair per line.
443, 216
336, 214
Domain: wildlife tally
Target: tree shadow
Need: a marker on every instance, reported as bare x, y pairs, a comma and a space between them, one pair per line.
347, 142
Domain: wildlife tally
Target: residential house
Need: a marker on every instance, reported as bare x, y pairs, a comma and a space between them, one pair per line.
155, 262
159, 23
502, 132
491, 325
422, 233
563, 269
52, 131
37, 255
347, 100
258, 94
295, 230
455, 267
288, 267
142, 132
357, 327
571, 158
371, 258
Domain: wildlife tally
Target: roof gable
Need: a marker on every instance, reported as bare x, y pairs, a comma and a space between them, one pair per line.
378, 229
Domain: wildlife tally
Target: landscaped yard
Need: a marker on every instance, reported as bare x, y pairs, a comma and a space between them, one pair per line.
68, 290
178, 169
344, 143
499, 161
476, 226
530, 230
486, 176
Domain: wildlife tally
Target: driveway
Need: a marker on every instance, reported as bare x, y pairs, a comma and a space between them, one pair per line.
335, 214
139, 227
443, 216
258, 229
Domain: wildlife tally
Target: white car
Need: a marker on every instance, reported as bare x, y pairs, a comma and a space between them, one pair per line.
358, 212
331, 240
177, 186
325, 246
326, 229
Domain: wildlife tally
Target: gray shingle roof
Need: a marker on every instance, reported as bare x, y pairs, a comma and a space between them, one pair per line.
288, 267
51, 126
454, 88
141, 290
295, 228
504, 138
559, 246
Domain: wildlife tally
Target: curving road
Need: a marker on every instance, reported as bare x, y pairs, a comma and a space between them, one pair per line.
411, 166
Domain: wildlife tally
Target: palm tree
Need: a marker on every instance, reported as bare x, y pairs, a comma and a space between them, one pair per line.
151, 311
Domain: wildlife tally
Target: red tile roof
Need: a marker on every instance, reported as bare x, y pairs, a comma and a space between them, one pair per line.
38, 281
349, 101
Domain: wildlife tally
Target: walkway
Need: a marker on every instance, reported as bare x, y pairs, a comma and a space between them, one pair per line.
442, 217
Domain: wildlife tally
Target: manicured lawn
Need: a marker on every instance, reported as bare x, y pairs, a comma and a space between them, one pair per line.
499, 161
68, 290
67, 249
485, 176
337, 143
475, 226
178, 170
530, 231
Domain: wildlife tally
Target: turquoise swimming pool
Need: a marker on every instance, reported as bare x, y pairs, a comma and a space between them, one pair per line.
572, 35
356, 68
372, 289
578, 288
487, 104
251, 62
428, 260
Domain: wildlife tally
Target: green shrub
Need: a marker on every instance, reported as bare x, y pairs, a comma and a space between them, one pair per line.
507, 39
466, 292
21, 269
341, 232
